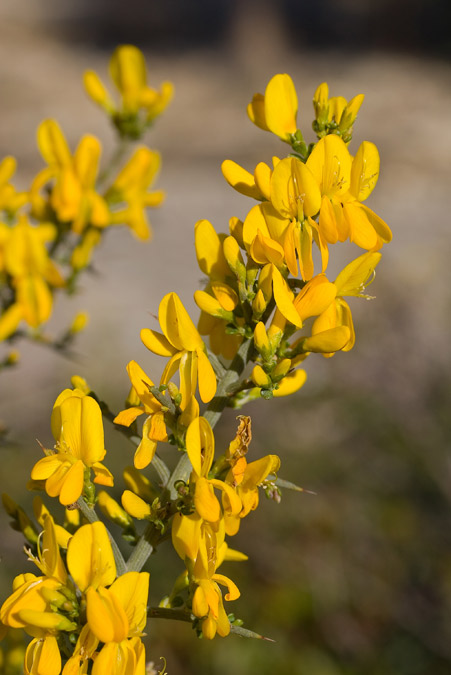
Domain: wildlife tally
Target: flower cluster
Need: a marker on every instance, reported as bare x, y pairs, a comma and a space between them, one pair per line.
266, 306
49, 232
82, 602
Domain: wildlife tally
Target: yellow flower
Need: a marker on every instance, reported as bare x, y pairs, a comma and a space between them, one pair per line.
116, 614
43, 657
335, 114
72, 178
131, 185
246, 483
276, 111
345, 182
31, 606
200, 446
26, 260
90, 559
182, 343
78, 429
10, 199
208, 605
351, 281
128, 72
154, 427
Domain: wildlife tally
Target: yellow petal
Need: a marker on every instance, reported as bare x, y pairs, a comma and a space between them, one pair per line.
141, 383
380, 226
291, 383
157, 343
281, 106
9, 320
200, 445
262, 177
210, 256
254, 222
186, 535
128, 71
284, 299
233, 592
328, 341
132, 590
95, 88
315, 297
256, 111
205, 501
206, 377
134, 505
177, 325
106, 616
128, 416
361, 230
330, 163
52, 144
82, 428
90, 558
86, 160
43, 657
353, 279
365, 171
241, 180
145, 451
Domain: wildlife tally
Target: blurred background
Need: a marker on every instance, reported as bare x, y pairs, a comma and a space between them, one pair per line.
355, 580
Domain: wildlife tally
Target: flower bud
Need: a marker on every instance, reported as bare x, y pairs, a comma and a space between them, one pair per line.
261, 341
259, 304
211, 306
79, 322
260, 378
281, 370
234, 257
113, 510
135, 506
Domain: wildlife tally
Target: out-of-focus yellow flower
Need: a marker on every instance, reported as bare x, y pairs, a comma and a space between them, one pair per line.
78, 429
10, 200
26, 260
128, 72
79, 322
182, 343
131, 186
72, 180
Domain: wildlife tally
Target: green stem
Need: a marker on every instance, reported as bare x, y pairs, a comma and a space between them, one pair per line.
142, 551
183, 615
92, 517
116, 159
169, 613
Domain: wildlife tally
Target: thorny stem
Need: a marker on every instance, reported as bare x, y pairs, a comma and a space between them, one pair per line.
184, 615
